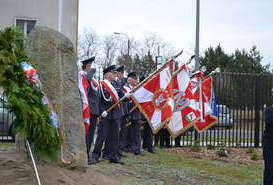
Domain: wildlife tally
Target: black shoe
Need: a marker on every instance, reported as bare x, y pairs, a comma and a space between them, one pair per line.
138, 153
106, 157
116, 161
151, 151
93, 161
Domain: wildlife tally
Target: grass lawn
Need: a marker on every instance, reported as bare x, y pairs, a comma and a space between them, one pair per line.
7, 144
171, 168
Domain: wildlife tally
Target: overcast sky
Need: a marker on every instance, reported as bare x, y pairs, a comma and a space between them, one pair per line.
232, 23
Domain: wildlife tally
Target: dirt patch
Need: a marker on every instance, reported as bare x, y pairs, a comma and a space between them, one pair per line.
168, 166
52, 175
17, 170
14, 170
236, 155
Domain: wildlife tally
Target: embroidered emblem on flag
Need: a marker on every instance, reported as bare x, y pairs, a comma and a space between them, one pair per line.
154, 98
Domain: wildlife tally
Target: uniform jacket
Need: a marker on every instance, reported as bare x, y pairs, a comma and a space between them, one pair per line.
93, 95
119, 84
135, 115
104, 104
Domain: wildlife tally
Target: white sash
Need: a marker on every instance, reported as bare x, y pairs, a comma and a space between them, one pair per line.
110, 89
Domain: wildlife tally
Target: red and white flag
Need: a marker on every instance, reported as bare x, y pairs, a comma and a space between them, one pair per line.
83, 86
154, 98
203, 96
185, 111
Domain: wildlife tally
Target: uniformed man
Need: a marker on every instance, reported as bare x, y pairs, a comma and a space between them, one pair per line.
118, 84
136, 119
178, 140
122, 84
109, 124
93, 100
163, 136
268, 146
121, 79
147, 142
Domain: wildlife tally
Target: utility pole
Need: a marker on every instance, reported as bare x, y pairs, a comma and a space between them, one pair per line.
197, 61
128, 46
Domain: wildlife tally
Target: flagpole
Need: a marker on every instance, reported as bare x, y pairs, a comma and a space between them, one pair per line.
156, 71
197, 61
144, 81
180, 69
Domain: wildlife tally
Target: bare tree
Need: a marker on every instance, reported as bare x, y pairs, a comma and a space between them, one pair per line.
109, 50
152, 43
156, 46
88, 44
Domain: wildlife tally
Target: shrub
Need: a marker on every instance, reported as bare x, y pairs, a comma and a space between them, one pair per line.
211, 147
222, 150
23, 98
196, 146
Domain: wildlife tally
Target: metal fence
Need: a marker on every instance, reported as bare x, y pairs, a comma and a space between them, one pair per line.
241, 100
6, 119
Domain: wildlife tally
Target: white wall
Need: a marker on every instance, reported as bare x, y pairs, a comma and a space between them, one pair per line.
45, 12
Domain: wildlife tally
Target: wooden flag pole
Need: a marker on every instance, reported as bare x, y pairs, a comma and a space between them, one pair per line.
180, 69
144, 81
156, 71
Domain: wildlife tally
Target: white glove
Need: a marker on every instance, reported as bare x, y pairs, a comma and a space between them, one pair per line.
104, 114
93, 65
127, 95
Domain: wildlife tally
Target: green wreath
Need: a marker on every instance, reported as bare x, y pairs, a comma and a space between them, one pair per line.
23, 99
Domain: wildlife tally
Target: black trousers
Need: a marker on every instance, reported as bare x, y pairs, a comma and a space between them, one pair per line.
107, 129
135, 137
147, 137
123, 135
178, 141
164, 138
268, 161
106, 148
90, 138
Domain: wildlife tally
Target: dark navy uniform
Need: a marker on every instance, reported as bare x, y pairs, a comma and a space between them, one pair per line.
122, 110
134, 138
125, 120
178, 141
93, 97
147, 136
122, 82
108, 127
268, 147
93, 100
163, 138
134, 131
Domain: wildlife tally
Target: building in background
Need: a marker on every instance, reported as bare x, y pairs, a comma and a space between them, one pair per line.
60, 15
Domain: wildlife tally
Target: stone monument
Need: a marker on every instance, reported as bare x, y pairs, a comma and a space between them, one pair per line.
54, 58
